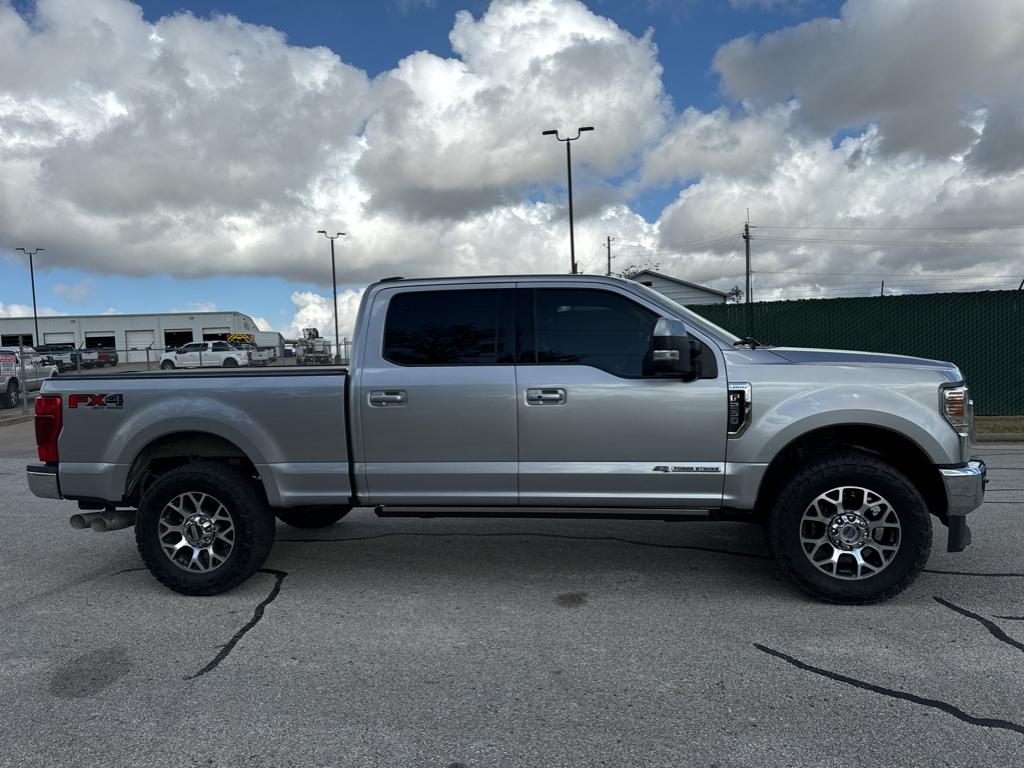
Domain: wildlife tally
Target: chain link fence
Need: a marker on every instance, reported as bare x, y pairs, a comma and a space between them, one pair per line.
981, 332
23, 369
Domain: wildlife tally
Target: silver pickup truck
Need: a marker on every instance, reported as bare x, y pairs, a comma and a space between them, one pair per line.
584, 397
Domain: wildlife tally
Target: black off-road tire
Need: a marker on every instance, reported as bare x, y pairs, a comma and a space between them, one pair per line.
243, 498
167, 365
312, 517
850, 469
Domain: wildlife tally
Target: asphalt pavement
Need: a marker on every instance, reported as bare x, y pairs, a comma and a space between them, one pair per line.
391, 642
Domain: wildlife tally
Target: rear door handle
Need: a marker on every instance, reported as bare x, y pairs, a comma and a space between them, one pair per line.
547, 396
386, 398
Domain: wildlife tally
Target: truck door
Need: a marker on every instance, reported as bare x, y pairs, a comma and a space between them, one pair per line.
435, 397
188, 356
596, 429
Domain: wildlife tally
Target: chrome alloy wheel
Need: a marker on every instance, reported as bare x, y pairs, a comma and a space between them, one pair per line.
850, 533
196, 532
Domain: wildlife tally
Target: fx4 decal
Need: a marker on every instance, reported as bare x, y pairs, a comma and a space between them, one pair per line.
96, 401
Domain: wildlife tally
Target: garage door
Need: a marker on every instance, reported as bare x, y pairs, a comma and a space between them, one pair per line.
216, 334
62, 337
137, 342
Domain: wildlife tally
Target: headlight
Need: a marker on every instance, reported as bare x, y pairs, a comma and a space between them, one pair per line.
956, 408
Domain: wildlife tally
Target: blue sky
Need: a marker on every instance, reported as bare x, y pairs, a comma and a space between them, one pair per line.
374, 37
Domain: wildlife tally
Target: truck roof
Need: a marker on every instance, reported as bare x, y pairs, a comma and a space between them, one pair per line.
501, 278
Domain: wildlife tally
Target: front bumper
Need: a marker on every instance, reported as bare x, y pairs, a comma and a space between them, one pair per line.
965, 492
42, 481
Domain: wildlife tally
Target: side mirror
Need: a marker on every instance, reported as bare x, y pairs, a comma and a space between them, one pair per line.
672, 349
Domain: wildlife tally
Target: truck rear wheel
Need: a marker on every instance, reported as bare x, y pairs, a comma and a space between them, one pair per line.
849, 528
312, 517
204, 528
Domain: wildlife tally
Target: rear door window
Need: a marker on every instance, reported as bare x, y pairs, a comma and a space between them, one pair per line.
464, 327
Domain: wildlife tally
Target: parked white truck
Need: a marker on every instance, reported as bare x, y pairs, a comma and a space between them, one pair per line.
205, 354
22, 369
547, 396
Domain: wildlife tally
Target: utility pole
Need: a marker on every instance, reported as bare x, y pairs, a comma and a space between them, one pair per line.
568, 165
882, 293
608, 246
746, 240
36, 341
334, 285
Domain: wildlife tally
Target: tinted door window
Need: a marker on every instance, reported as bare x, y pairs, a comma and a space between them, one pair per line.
449, 328
589, 327
221, 346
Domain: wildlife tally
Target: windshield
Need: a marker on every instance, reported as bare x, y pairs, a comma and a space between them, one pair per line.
689, 315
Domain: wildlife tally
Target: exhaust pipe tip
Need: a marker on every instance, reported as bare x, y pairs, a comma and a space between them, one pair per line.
112, 521
83, 520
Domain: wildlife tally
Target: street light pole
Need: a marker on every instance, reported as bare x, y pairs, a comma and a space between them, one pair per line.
568, 166
334, 285
32, 275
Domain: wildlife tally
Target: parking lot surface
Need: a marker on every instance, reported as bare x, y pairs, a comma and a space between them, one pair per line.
389, 642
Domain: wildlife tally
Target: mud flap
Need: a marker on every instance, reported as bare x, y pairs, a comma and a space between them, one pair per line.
959, 534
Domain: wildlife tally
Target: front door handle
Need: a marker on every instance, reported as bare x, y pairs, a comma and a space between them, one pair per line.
388, 397
547, 396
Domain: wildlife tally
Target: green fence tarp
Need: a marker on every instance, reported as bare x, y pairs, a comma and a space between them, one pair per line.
982, 332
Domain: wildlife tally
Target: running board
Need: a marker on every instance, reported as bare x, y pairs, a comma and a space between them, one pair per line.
578, 513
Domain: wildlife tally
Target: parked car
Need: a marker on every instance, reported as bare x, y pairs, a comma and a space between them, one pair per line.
88, 357
64, 356
529, 396
106, 356
15, 377
204, 354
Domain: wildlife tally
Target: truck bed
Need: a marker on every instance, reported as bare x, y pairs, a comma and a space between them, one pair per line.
290, 423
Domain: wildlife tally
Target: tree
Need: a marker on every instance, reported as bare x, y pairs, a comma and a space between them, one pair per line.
734, 295
633, 270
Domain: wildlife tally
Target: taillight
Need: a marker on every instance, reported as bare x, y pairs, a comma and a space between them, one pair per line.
48, 425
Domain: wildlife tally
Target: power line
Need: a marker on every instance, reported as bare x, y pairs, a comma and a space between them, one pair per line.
907, 228
963, 244
929, 275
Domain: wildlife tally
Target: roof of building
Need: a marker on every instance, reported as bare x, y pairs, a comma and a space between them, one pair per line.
687, 283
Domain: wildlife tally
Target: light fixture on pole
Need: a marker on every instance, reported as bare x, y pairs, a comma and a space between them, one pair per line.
568, 165
334, 286
32, 275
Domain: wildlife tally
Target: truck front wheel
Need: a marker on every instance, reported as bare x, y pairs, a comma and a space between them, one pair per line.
312, 517
167, 365
849, 528
204, 528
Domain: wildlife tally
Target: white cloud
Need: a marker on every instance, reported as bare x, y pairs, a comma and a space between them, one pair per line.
23, 310
262, 323
314, 311
78, 292
197, 306
211, 146
917, 68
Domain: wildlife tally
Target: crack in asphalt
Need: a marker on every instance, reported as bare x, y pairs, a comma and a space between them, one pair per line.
991, 626
257, 614
1004, 575
943, 706
562, 536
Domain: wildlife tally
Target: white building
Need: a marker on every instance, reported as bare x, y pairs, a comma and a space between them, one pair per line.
132, 335
680, 291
